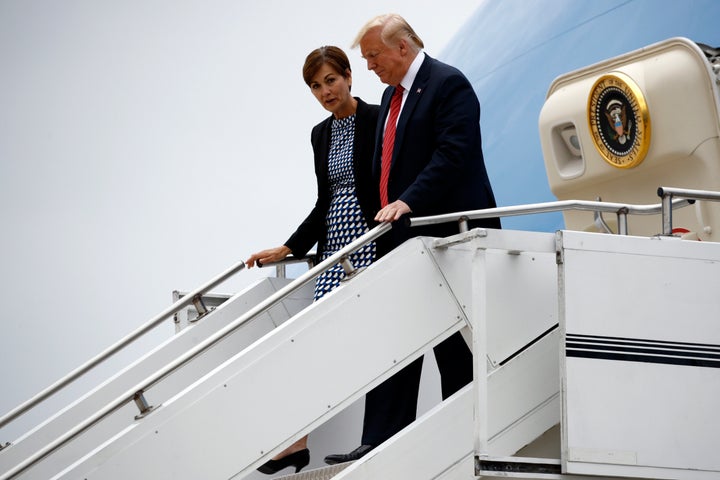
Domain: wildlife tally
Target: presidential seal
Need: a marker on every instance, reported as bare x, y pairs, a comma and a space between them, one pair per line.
619, 120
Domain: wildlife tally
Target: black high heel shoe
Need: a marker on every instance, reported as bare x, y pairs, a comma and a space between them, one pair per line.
299, 460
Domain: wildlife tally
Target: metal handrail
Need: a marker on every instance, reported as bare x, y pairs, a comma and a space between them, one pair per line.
621, 209
667, 194
198, 349
119, 345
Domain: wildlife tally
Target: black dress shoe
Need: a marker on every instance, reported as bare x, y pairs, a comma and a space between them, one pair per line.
297, 459
356, 454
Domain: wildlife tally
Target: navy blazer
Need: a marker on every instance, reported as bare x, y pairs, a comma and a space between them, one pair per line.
314, 229
437, 165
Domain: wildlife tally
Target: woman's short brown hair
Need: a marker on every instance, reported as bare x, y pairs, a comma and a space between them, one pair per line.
333, 56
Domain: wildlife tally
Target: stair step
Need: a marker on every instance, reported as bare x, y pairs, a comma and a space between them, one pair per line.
518, 467
323, 473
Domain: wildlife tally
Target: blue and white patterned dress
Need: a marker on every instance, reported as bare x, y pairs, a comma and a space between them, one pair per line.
345, 221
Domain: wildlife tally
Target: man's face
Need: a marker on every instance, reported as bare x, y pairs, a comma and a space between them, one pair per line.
388, 62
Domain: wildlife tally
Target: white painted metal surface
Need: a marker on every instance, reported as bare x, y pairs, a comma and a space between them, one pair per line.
641, 363
515, 283
66, 419
505, 286
523, 392
429, 448
235, 417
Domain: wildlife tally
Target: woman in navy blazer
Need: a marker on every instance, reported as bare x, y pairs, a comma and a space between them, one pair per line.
347, 195
313, 229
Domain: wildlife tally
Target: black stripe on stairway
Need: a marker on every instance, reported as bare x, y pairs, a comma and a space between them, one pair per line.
643, 350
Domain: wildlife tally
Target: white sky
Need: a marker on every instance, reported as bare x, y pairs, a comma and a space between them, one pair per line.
145, 147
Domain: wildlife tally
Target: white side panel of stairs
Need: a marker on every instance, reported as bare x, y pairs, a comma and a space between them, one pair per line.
512, 291
514, 285
641, 368
522, 393
425, 449
639, 343
224, 418
518, 387
77, 412
440, 445
290, 381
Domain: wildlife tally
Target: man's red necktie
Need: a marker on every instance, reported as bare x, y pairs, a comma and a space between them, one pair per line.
388, 143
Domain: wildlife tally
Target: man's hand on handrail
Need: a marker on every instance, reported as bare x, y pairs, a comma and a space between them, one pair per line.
392, 211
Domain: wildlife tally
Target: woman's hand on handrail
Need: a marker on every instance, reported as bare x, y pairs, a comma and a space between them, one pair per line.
269, 255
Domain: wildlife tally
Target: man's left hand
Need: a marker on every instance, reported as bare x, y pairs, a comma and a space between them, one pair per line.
392, 211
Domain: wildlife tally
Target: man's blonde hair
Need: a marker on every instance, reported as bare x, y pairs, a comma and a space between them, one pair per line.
393, 29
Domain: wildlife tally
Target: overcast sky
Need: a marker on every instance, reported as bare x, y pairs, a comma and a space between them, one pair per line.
145, 147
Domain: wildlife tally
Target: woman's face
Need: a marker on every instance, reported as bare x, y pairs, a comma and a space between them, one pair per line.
332, 90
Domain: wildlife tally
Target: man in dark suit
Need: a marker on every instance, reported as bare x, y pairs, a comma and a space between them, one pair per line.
434, 165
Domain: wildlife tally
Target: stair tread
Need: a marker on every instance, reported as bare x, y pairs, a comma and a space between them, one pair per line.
322, 473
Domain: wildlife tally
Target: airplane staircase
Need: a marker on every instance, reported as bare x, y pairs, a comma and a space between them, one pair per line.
203, 406
207, 321
222, 412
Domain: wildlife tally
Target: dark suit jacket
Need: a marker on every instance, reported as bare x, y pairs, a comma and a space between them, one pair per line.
437, 164
313, 229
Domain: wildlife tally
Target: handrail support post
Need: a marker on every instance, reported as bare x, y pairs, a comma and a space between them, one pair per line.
347, 266
667, 211
142, 404
463, 224
622, 219
199, 304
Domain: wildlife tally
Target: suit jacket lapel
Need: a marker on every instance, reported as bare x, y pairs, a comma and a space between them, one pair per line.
413, 96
